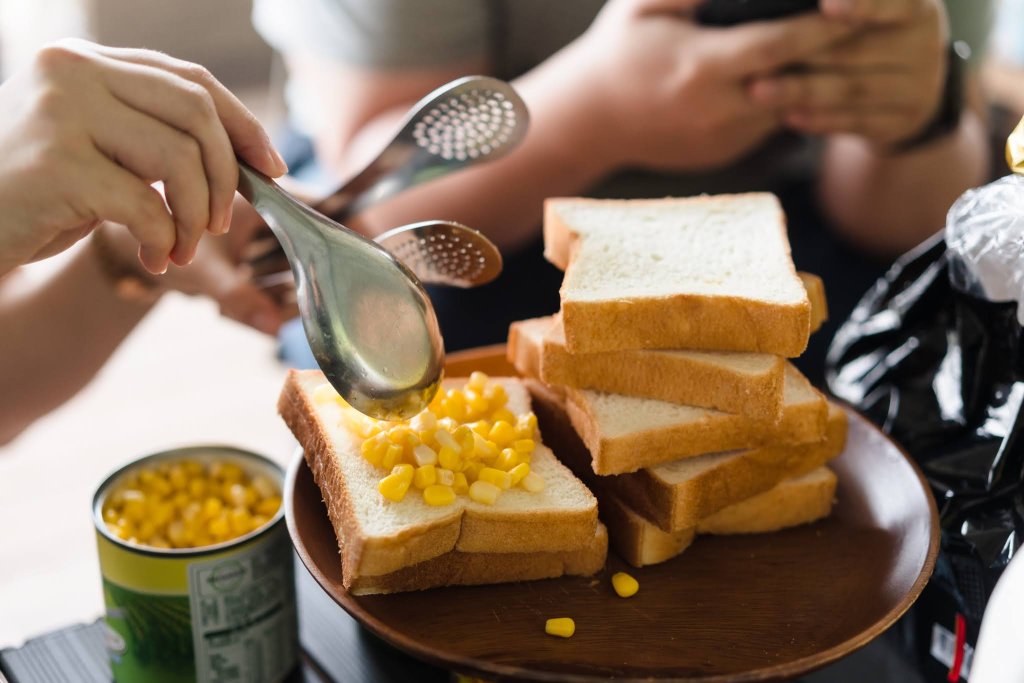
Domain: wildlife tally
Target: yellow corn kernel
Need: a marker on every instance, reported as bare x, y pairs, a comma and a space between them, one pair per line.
533, 482
146, 531
158, 485
472, 470
526, 425
110, 515
394, 487
461, 484
269, 506
264, 486
425, 476
212, 507
506, 460
502, 433
178, 476
259, 520
445, 477
502, 480
477, 405
240, 520
438, 494
192, 512
484, 492
392, 456
477, 381
134, 504
484, 449
226, 471
455, 405
194, 468
463, 435
449, 459
219, 527
525, 446
503, 414
563, 627
624, 584
496, 395
163, 512
445, 439
238, 495
404, 470
424, 455
197, 488
425, 421
374, 448
519, 472
398, 434
481, 427
180, 499
159, 542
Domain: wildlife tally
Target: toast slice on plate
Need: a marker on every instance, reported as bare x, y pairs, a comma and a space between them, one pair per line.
378, 536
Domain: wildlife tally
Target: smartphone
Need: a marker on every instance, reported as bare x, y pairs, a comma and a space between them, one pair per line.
733, 12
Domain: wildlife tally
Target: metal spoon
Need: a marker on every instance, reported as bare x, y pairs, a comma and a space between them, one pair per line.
369, 323
465, 122
437, 252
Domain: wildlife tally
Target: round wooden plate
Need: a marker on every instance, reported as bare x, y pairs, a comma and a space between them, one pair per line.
740, 608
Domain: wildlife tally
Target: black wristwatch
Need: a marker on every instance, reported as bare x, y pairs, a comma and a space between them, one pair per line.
947, 117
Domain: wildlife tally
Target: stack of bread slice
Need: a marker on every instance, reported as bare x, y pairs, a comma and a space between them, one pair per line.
664, 382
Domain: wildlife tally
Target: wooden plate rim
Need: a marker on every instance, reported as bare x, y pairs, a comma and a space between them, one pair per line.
484, 668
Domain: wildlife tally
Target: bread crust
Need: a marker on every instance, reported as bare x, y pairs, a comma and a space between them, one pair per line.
695, 380
800, 423
468, 529
470, 569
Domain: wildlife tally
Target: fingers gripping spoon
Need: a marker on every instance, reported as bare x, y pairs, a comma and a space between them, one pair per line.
369, 323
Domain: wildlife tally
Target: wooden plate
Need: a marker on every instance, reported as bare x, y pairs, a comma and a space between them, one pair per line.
740, 608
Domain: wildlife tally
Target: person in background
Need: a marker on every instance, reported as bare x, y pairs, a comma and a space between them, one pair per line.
862, 107
85, 133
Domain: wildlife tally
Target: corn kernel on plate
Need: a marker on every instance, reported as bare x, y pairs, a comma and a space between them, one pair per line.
736, 608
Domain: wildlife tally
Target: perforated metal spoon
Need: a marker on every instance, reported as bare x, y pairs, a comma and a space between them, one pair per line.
369, 323
465, 122
437, 252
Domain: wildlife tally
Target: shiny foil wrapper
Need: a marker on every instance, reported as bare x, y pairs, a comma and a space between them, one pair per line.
1015, 149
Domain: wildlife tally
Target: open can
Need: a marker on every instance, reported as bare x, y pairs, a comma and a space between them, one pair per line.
223, 612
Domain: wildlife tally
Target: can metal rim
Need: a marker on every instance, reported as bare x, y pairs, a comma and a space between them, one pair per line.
208, 451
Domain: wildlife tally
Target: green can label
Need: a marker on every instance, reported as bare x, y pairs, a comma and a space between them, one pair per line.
236, 623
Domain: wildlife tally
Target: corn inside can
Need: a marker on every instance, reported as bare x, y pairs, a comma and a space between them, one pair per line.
221, 612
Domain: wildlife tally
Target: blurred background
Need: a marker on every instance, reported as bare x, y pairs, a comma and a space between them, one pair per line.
48, 571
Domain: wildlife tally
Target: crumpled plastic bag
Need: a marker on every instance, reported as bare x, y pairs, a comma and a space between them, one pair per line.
933, 354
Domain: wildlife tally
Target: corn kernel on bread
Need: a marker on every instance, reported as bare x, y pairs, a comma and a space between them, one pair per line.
624, 434
698, 273
735, 382
678, 494
792, 502
471, 569
377, 536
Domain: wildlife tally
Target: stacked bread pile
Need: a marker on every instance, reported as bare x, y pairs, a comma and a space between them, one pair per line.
664, 382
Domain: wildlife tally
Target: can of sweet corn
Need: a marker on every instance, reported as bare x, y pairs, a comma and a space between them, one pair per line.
198, 582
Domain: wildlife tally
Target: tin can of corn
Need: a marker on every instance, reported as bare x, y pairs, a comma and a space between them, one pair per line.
198, 576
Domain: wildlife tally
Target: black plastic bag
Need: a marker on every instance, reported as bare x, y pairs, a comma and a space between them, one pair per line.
942, 371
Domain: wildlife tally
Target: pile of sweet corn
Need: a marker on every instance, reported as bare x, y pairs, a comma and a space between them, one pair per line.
189, 504
466, 442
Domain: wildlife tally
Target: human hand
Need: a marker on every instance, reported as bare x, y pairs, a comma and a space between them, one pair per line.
86, 131
660, 91
883, 84
220, 272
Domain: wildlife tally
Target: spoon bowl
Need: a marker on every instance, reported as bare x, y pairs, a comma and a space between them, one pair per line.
368, 320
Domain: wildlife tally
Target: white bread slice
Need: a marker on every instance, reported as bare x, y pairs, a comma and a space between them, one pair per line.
733, 382
377, 536
471, 569
795, 501
678, 494
624, 433
697, 273
816, 295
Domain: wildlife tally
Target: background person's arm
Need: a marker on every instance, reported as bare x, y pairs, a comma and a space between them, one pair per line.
642, 87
